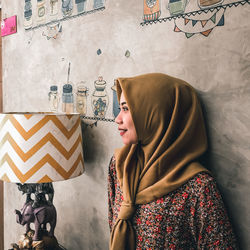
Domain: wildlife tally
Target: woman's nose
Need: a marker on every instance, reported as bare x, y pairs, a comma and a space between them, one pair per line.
118, 119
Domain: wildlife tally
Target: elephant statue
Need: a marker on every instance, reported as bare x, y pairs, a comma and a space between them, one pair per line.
39, 216
40, 190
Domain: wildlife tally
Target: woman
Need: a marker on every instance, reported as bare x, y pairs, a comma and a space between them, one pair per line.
160, 197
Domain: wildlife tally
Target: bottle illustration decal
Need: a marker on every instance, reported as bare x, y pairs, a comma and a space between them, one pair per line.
98, 4
27, 14
53, 8
80, 4
53, 98
99, 98
67, 7
81, 98
116, 107
40, 11
67, 99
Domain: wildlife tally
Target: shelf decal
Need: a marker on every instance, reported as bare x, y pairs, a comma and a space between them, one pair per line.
202, 21
36, 15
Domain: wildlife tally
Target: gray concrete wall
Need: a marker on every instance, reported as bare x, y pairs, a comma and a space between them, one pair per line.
218, 66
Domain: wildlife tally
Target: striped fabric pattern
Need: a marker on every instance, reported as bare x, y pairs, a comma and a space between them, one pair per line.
40, 147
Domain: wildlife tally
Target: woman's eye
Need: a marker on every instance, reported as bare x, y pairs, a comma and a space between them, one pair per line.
125, 109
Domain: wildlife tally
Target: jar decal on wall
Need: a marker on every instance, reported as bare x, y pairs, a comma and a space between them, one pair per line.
27, 14
53, 98
151, 10
80, 4
208, 3
67, 7
99, 98
40, 11
177, 7
81, 98
53, 8
67, 99
98, 4
116, 108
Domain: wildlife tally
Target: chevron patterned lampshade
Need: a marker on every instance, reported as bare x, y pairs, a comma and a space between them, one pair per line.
40, 147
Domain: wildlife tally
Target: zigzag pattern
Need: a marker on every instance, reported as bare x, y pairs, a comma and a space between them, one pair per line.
51, 156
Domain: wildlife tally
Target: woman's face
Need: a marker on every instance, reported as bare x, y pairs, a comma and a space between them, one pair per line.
125, 123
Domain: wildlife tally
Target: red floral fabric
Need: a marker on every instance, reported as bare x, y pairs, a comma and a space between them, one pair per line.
191, 217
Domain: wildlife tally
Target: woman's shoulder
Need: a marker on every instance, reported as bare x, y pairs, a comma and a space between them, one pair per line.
112, 169
112, 161
200, 183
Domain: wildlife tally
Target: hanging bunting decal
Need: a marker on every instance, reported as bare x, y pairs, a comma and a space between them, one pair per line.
213, 18
207, 32
201, 25
188, 35
176, 29
186, 21
194, 22
221, 22
186, 17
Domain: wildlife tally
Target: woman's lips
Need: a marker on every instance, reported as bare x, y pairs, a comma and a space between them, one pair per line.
122, 131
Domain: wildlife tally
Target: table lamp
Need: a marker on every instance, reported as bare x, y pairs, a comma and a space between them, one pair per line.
37, 149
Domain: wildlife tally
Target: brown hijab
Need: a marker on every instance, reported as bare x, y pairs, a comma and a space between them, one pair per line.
171, 136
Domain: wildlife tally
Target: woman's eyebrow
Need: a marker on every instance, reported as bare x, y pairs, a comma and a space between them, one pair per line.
123, 103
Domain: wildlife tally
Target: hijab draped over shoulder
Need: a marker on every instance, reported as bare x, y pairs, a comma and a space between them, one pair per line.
171, 137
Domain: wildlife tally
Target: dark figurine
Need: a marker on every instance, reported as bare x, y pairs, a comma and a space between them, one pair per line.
39, 216
40, 191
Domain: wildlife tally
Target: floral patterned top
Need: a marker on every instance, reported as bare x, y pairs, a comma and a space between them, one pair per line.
191, 217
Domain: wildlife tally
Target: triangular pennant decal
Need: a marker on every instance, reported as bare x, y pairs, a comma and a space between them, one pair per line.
176, 29
207, 32
186, 21
213, 18
194, 22
188, 35
203, 23
221, 22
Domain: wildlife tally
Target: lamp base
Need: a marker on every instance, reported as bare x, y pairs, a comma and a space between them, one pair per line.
26, 242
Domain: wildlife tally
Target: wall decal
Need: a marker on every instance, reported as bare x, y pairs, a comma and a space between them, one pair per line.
127, 53
99, 98
8, 26
67, 7
81, 98
52, 31
98, 52
151, 9
116, 108
68, 99
48, 12
209, 3
53, 9
98, 4
176, 7
202, 21
53, 98
27, 14
80, 5
192, 26
40, 18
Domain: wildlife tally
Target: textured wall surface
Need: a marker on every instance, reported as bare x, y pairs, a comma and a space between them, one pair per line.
218, 66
